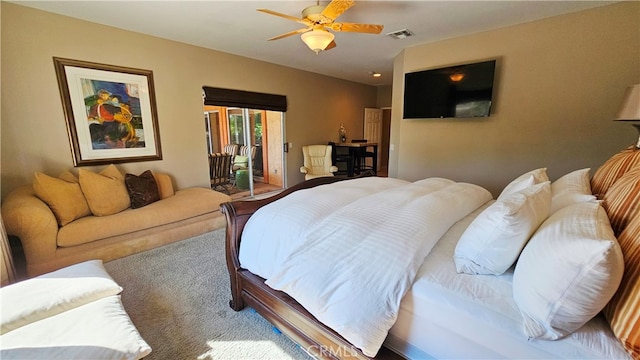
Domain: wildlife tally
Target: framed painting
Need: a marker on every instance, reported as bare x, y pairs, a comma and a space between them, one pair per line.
110, 112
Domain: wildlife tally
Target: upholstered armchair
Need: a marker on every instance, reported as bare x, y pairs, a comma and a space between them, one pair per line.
317, 161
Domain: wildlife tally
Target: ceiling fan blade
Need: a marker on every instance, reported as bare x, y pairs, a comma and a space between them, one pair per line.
336, 8
331, 45
288, 17
294, 32
361, 28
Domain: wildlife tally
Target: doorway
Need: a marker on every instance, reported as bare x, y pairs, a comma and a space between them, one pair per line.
258, 160
377, 128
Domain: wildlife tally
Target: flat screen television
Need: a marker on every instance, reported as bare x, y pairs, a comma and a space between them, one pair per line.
463, 91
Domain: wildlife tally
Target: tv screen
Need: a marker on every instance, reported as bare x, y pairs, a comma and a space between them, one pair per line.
462, 91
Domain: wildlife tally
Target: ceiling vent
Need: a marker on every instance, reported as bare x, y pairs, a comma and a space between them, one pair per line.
400, 34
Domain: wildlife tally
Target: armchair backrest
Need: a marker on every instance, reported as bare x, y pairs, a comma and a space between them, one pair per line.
219, 169
231, 149
244, 151
317, 161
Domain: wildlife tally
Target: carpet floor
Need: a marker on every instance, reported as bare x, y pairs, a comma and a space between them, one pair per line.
178, 298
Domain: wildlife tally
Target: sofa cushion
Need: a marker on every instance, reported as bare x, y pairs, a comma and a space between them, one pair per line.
142, 189
64, 198
185, 204
106, 192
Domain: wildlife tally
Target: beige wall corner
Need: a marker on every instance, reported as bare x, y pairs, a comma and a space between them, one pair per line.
559, 82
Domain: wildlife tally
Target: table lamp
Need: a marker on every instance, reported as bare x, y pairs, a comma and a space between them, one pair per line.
630, 108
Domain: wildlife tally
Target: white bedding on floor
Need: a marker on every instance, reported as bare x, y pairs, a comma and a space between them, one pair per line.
71, 313
451, 315
97, 330
390, 232
49, 294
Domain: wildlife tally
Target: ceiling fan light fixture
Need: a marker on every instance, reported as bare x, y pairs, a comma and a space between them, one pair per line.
317, 40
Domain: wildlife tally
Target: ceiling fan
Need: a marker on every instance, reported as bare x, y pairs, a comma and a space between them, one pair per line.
318, 19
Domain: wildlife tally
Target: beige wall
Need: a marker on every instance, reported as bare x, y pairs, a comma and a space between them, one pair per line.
559, 84
33, 133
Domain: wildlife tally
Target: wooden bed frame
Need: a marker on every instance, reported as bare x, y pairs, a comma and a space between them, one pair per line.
248, 289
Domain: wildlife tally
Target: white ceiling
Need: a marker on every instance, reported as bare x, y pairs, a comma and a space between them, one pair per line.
236, 27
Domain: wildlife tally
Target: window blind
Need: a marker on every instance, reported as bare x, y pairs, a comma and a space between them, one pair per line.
244, 99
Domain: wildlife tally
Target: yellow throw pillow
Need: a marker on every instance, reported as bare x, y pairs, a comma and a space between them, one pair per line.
165, 185
106, 192
65, 198
68, 177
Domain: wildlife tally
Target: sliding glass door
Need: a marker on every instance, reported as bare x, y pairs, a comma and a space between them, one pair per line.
254, 123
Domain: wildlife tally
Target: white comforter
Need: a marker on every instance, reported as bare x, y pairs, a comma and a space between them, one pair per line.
278, 228
351, 264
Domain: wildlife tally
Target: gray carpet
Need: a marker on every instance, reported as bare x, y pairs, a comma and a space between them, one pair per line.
178, 298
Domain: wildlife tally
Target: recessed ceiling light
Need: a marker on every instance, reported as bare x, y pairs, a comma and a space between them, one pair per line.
374, 74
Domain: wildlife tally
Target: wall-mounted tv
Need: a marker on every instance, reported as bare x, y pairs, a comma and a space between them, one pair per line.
463, 91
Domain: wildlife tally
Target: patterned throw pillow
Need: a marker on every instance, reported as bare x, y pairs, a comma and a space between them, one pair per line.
142, 189
622, 200
105, 192
613, 169
623, 311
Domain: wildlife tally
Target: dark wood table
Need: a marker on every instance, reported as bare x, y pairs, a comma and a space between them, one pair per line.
358, 152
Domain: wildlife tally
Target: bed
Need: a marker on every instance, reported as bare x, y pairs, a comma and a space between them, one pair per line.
385, 268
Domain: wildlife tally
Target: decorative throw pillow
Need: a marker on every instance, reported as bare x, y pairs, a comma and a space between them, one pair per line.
525, 180
240, 162
622, 200
106, 192
142, 189
623, 311
493, 241
65, 198
68, 177
568, 271
165, 185
571, 188
613, 169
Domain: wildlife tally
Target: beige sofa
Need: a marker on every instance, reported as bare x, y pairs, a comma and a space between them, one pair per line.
48, 246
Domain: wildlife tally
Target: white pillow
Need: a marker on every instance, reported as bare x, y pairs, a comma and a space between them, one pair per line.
493, 241
568, 271
50, 294
98, 330
571, 188
525, 180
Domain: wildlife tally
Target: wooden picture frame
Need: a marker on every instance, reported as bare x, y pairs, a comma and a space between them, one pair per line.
110, 112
